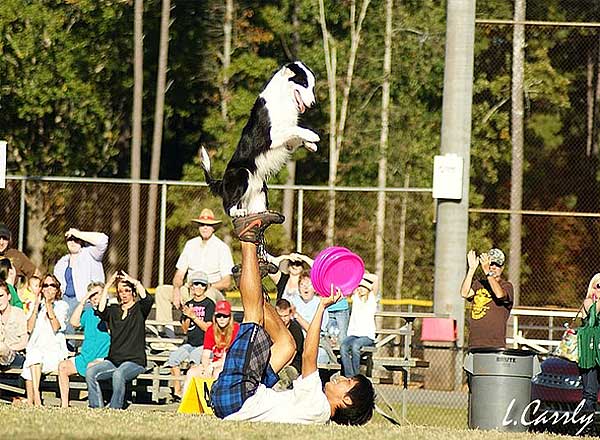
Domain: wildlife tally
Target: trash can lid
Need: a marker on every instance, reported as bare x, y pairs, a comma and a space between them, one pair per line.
504, 351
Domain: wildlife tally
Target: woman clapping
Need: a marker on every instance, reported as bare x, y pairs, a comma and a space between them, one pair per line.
127, 355
47, 344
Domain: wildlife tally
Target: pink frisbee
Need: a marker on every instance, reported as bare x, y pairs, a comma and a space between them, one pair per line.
319, 263
340, 267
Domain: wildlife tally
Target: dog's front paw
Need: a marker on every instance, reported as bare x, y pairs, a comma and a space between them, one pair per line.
310, 146
311, 136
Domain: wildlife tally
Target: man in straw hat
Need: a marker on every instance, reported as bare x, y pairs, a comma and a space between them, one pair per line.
205, 253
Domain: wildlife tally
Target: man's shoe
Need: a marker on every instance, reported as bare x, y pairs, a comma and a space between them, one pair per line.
251, 227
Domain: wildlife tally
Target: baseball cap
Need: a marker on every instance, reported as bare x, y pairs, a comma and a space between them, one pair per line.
497, 256
4, 231
198, 276
223, 307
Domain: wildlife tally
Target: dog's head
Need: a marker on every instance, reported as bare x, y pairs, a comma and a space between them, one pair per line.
302, 82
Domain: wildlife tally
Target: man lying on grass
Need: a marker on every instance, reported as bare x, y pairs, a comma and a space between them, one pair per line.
264, 346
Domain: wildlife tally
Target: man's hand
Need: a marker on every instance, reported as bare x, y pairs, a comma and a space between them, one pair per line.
177, 299
472, 260
334, 296
72, 232
484, 259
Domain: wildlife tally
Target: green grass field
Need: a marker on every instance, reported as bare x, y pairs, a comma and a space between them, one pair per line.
82, 423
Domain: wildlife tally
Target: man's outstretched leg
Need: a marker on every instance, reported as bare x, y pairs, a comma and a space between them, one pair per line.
250, 285
259, 312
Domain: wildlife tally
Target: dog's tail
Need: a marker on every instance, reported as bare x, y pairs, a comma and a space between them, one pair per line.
215, 185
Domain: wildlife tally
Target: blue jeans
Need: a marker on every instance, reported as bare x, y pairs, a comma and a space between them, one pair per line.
589, 379
72, 302
185, 352
105, 370
350, 353
341, 318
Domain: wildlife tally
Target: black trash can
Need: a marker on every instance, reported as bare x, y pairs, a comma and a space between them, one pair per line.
500, 387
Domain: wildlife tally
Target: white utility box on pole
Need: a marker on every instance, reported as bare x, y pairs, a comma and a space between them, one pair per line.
448, 177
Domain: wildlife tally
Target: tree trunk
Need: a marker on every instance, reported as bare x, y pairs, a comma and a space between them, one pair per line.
402, 237
161, 80
590, 96
288, 194
595, 130
383, 140
136, 141
226, 60
517, 138
330, 67
115, 231
36, 225
336, 132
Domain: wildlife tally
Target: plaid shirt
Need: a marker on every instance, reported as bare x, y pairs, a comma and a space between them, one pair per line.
246, 367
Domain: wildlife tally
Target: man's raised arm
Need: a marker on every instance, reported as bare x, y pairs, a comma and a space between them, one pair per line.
311, 342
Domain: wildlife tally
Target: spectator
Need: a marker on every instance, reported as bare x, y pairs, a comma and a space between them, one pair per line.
9, 275
81, 266
262, 347
23, 265
29, 293
339, 314
361, 330
47, 344
13, 331
206, 253
127, 354
96, 340
218, 339
291, 372
588, 350
305, 307
287, 277
491, 298
197, 316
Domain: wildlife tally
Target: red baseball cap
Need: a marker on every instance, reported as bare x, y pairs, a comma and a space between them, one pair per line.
223, 307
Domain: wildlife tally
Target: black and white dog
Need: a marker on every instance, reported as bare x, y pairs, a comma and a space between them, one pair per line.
269, 138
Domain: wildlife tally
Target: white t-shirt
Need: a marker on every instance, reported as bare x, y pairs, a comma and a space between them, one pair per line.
308, 310
362, 318
212, 257
306, 403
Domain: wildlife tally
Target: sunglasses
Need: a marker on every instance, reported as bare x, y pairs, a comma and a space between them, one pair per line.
199, 283
49, 285
495, 264
220, 315
295, 263
597, 286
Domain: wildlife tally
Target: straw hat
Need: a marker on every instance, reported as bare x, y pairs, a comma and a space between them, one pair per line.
207, 217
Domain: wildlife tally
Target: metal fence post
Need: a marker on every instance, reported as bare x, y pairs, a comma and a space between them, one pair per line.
22, 216
163, 234
300, 222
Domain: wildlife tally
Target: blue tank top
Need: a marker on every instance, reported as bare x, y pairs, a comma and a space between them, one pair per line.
70, 289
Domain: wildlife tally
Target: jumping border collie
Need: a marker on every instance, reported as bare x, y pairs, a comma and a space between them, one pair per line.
269, 138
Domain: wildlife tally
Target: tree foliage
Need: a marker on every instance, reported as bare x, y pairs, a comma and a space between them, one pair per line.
66, 98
